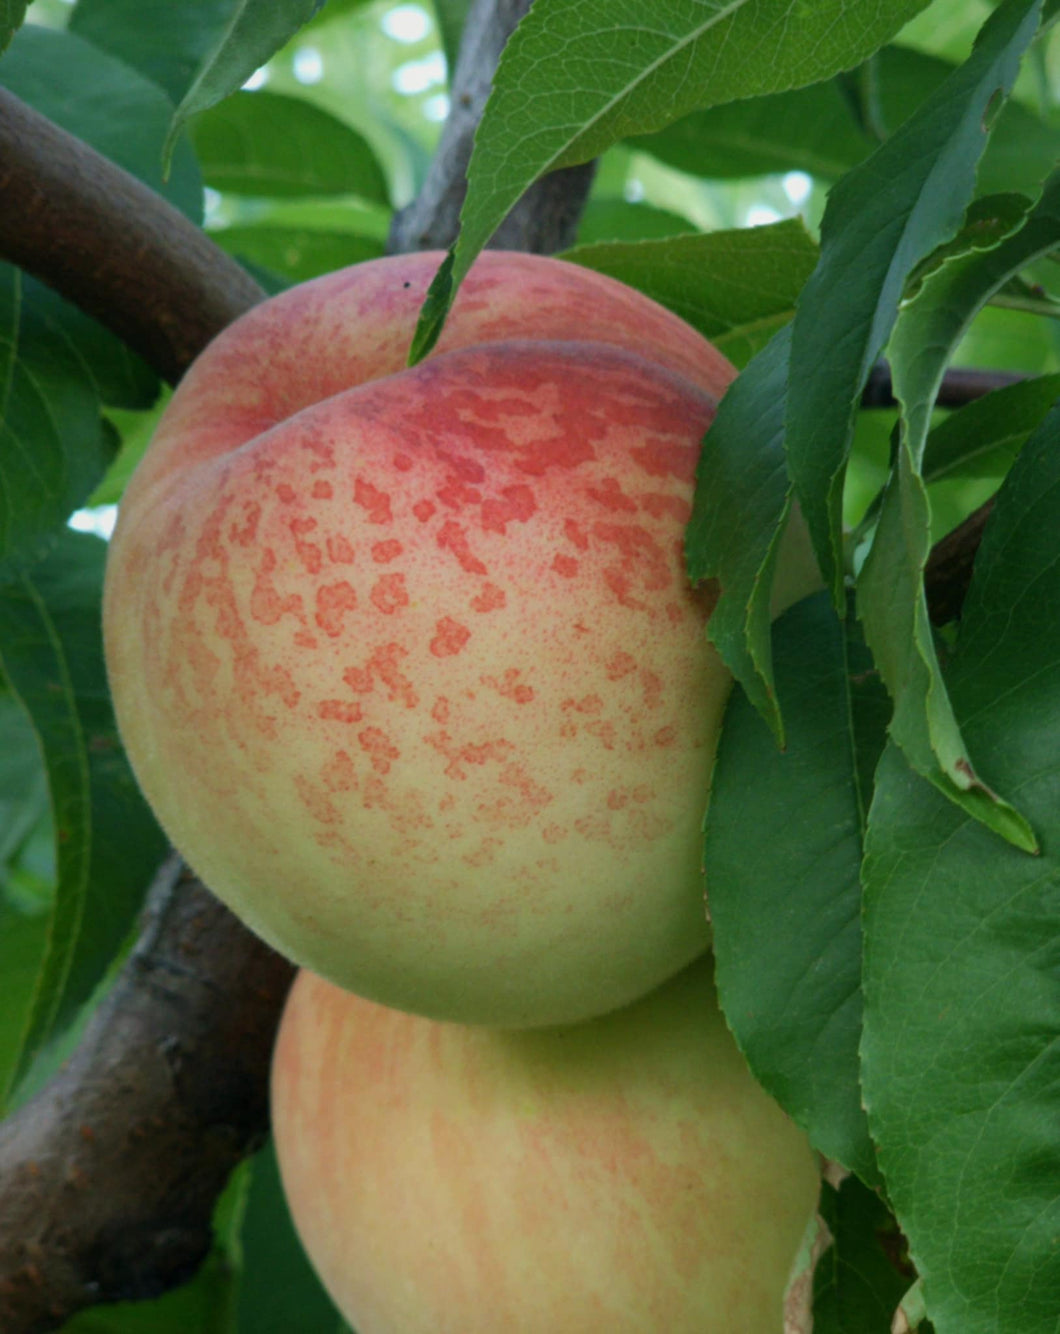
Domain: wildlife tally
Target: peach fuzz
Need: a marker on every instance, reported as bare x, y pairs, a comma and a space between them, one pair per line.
626, 1175
405, 659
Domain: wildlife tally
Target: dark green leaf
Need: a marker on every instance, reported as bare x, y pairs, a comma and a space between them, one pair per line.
618, 220
742, 501
813, 130
871, 238
297, 253
107, 103
164, 41
786, 908
23, 918
736, 287
279, 1290
961, 1054
451, 16
891, 598
255, 31
107, 843
121, 379
861, 1279
579, 75
982, 438
53, 448
135, 430
23, 941
12, 14
271, 144
808, 129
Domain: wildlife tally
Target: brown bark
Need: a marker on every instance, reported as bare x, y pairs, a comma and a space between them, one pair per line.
109, 1176
111, 245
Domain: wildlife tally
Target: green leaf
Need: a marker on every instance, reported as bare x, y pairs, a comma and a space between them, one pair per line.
120, 378
863, 1276
330, 11
891, 599
813, 129
871, 239
786, 909
962, 1017
166, 42
255, 31
23, 789
619, 220
736, 287
106, 103
982, 438
451, 16
271, 144
107, 843
278, 1290
23, 941
579, 75
23, 921
135, 430
807, 129
53, 448
742, 501
12, 14
297, 253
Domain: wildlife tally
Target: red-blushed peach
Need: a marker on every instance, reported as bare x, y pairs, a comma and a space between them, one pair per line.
626, 1174
405, 659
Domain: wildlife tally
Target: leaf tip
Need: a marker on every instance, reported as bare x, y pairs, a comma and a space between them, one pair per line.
435, 309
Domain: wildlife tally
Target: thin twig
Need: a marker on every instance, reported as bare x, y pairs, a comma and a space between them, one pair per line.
546, 218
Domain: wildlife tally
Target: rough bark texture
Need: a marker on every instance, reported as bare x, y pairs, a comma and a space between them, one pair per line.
109, 1176
546, 218
111, 245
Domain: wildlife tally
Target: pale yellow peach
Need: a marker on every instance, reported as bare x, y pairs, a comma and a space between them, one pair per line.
626, 1175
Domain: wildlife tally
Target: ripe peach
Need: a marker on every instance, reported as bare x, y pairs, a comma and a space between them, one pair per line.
626, 1174
405, 659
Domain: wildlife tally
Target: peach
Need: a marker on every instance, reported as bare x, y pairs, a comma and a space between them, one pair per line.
405, 659
626, 1175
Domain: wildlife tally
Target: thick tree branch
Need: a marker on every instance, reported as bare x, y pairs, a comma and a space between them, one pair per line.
112, 246
109, 1177
546, 218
